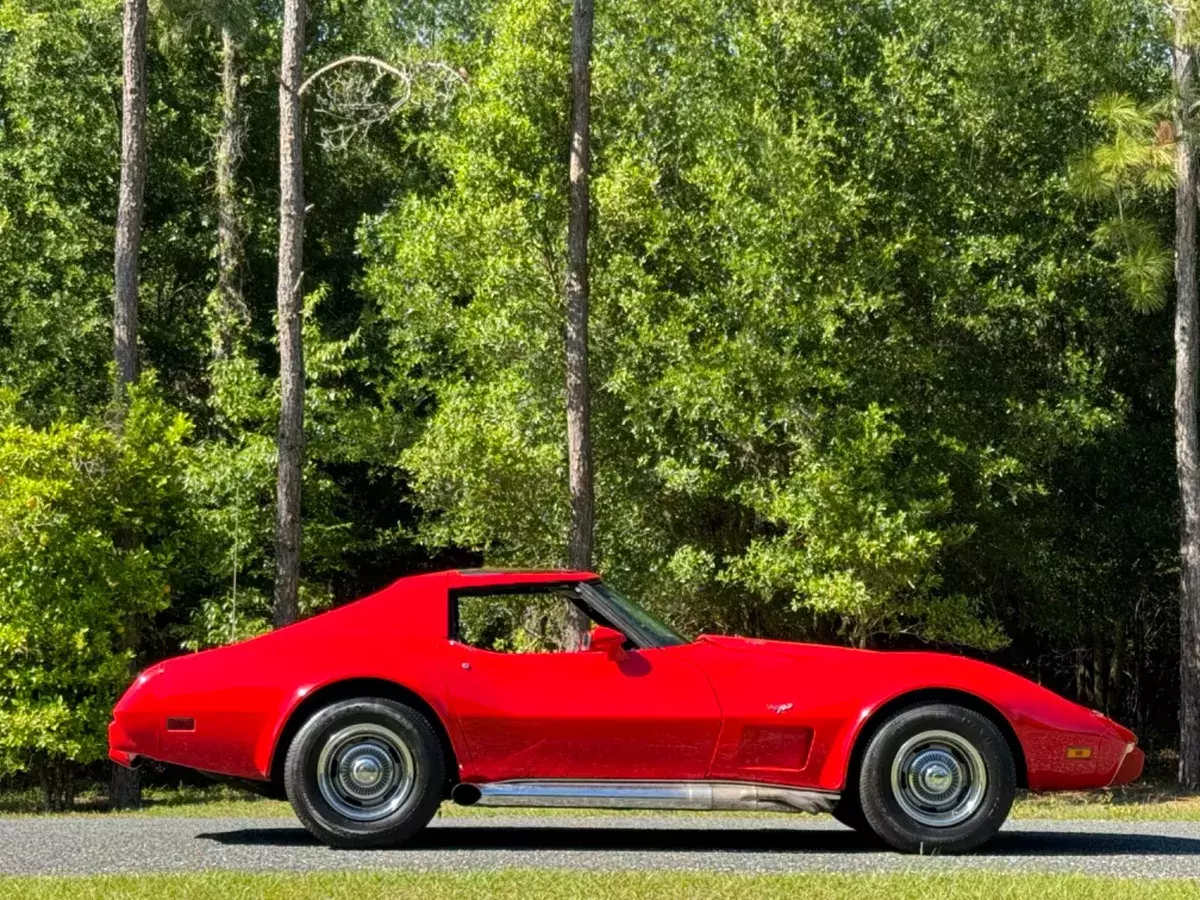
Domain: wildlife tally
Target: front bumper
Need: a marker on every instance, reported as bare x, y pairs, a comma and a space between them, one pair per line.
1120, 748
1130, 768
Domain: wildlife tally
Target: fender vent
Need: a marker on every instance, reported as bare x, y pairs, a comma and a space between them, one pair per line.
181, 724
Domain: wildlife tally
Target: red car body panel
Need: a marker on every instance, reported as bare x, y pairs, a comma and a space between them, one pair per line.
833, 692
581, 715
721, 708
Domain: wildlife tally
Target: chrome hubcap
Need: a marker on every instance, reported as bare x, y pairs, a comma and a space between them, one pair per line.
939, 778
365, 772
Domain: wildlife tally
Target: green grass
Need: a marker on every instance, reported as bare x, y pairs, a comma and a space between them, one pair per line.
1143, 803
214, 802
530, 884
1138, 803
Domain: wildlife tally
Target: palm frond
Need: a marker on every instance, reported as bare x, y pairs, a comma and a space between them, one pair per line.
1126, 234
1120, 112
1145, 273
1086, 178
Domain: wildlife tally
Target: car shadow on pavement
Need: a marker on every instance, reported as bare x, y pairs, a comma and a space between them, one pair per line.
482, 837
1088, 843
708, 840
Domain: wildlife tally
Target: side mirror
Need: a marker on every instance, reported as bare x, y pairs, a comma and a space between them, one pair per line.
608, 641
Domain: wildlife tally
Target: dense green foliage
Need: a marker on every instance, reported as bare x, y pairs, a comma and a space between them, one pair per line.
861, 370
94, 528
848, 326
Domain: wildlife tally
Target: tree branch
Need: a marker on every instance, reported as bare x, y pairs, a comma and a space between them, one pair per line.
378, 64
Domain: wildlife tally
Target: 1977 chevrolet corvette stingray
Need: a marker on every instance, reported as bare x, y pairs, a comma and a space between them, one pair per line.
368, 716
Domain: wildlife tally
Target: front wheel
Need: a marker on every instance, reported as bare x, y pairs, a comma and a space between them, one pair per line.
365, 773
849, 812
937, 779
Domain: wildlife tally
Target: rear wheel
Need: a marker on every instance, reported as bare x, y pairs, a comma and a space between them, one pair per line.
365, 773
937, 778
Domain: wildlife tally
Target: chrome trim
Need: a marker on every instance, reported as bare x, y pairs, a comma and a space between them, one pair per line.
694, 795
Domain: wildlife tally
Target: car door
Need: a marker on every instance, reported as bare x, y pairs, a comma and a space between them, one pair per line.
561, 714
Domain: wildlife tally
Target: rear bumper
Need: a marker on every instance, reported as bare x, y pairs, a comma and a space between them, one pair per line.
120, 746
133, 731
121, 758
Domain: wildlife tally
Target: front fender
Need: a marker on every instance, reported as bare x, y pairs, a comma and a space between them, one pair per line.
1052, 734
836, 768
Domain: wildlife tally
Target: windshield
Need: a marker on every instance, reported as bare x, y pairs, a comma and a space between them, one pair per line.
661, 633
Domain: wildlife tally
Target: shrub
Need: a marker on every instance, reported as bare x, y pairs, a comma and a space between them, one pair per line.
90, 523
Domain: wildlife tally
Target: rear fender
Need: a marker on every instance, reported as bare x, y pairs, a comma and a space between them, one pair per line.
426, 695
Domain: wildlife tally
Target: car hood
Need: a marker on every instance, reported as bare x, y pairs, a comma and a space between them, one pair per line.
893, 672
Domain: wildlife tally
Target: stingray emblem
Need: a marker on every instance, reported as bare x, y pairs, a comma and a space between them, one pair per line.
779, 708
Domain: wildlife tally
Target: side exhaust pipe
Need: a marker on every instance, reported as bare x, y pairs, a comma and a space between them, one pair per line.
465, 794
693, 795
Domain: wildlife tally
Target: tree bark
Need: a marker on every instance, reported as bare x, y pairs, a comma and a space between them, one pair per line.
125, 787
131, 199
1099, 669
1187, 442
288, 298
1116, 669
579, 447
58, 785
1080, 679
230, 313
1135, 689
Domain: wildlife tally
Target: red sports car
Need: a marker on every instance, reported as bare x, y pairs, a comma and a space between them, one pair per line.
452, 685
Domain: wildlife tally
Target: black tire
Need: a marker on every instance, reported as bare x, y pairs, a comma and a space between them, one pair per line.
936, 744
361, 738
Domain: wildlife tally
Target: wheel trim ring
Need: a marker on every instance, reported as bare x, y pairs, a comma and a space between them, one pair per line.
913, 781
342, 754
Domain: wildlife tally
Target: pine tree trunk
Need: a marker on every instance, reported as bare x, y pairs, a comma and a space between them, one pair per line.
579, 447
288, 297
1099, 670
1080, 679
1116, 671
230, 314
1187, 444
1135, 689
124, 788
130, 201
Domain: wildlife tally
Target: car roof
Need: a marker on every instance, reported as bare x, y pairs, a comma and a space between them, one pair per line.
420, 600
466, 578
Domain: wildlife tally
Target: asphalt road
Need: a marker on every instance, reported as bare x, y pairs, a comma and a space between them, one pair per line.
82, 844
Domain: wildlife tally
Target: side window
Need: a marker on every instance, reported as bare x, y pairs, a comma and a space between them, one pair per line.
527, 622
